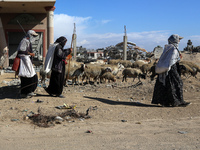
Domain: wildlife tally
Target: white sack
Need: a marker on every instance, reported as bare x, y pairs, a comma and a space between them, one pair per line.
49, 57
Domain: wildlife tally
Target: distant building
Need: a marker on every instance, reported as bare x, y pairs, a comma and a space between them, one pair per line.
30, 14
95, 55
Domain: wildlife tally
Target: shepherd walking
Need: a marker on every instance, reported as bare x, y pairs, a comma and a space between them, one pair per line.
168, 90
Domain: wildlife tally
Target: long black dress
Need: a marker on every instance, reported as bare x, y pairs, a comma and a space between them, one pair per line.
56, 82
172, 93
28, 85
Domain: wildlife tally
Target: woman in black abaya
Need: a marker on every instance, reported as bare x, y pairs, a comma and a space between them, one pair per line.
168, 90
55, 87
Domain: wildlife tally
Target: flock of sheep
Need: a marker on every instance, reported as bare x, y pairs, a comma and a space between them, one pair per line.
101, 71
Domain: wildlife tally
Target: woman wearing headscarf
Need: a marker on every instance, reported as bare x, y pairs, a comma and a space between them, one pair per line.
168, 90
27, 73
55, 87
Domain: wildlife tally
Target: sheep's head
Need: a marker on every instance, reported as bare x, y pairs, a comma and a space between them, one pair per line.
83, 66
108, 69
143, 76
120, 66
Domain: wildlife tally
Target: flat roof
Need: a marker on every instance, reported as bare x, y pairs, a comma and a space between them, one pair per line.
28, 1
25, 6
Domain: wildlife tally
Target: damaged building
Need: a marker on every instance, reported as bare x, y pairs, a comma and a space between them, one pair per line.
19, 16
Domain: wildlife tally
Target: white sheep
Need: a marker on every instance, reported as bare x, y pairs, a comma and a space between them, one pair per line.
114, 68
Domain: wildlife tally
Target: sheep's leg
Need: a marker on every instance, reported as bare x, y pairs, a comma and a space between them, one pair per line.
72, 82
65, 81
139, 82
101, 80
83, 78
124, 78
77, 79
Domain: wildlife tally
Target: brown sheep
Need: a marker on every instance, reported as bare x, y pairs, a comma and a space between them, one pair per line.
109, 76
132, 73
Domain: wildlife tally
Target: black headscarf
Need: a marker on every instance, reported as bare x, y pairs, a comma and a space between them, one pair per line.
61, 40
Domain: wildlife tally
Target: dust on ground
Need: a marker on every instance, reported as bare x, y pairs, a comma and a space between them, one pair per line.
123, 117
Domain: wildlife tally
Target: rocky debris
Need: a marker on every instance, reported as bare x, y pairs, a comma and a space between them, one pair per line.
50, 120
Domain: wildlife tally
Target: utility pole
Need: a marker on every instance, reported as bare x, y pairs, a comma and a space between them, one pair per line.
125, 45
74, 42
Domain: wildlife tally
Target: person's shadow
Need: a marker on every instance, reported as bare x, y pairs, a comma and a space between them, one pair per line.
10, 92
111, 102
14, 91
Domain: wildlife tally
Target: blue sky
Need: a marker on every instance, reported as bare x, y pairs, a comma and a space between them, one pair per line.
149, 23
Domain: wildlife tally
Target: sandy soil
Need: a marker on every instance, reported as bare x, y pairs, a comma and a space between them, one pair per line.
122, 118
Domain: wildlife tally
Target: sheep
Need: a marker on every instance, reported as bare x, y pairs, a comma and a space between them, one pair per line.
69, 75
186, 69
191, 65
114, 68
126, 63
74, 73
153, 72
109, 76
139, 63
94, 71
133, 73
74, 63
114, 61
99, 62
147, 67
79, 73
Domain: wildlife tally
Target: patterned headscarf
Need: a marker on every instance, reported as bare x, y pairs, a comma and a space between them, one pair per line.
174, 38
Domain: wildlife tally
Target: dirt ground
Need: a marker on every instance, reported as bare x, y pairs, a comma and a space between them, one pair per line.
122, 117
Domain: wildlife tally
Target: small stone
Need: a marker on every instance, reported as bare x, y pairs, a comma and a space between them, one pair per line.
124, 120
182, 132
58, 118
88, 131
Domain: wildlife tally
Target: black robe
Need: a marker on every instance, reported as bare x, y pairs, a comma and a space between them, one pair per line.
28, 85
56, 82
172, 93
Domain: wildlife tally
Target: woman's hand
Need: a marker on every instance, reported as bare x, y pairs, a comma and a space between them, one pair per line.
70, 50
180, 56
32, 54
